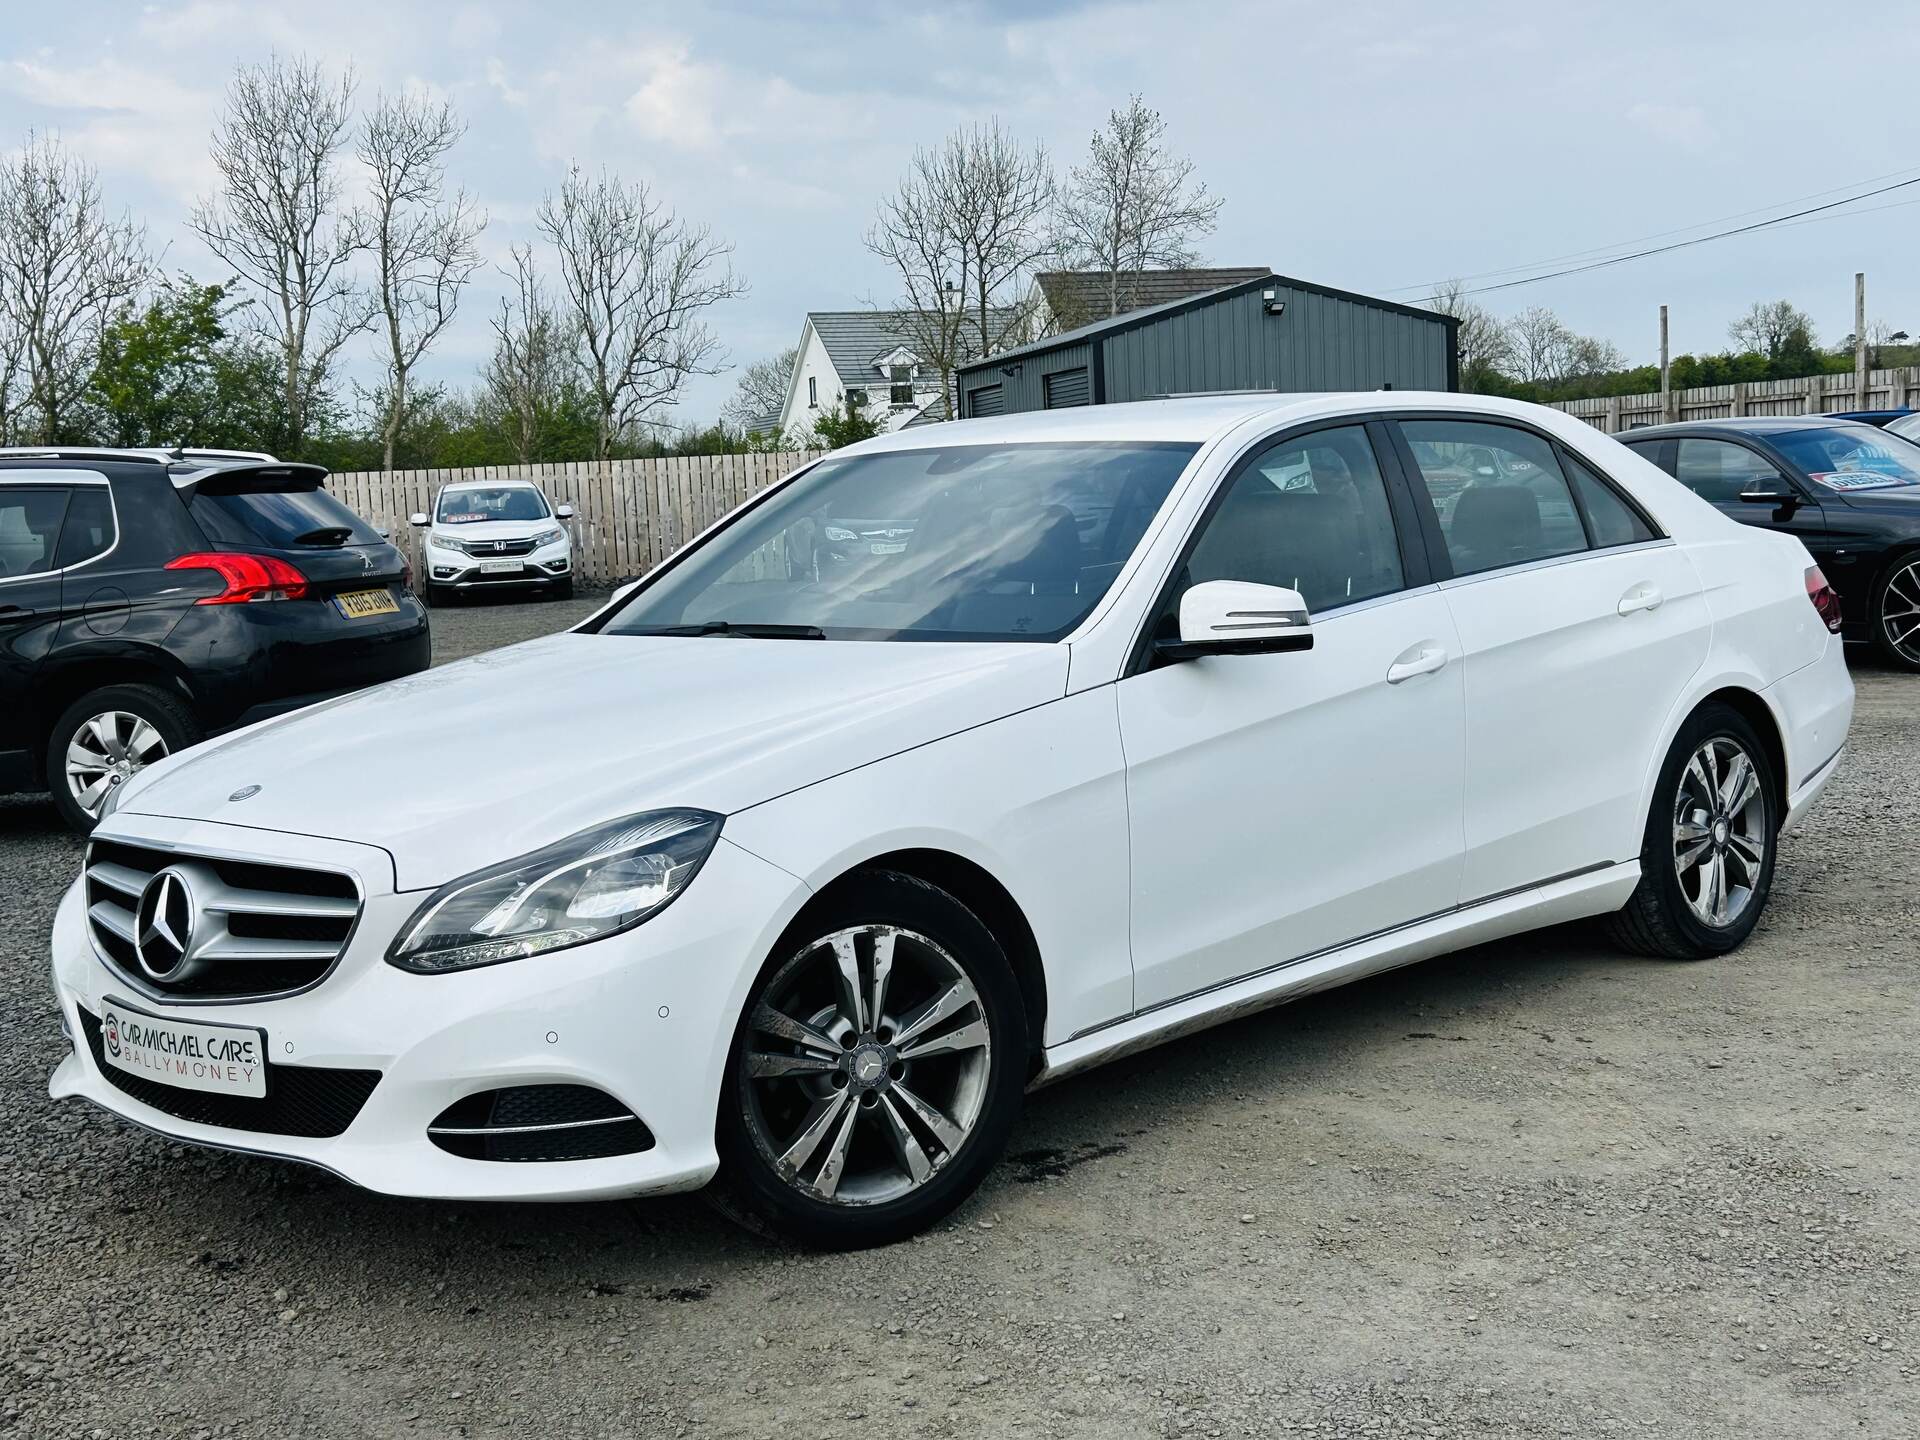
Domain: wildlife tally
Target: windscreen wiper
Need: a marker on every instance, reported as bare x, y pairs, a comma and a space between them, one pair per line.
330, 535
744, 629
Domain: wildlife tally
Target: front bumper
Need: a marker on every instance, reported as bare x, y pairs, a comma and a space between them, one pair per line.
456, 570
647, 1017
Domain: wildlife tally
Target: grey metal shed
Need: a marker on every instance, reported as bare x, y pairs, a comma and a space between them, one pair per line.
1271, 333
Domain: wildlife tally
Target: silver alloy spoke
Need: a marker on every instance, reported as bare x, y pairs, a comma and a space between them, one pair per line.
967, 1037
948, 1003
1747, 855
770, 1021
944, 1130
826, 1110
1717, 889
1703, 782
905, 1147
853, 1002
89, 799
764, 1066
1687, 858
1740, 785
827, 1182
144, 738
106, 734
882, 972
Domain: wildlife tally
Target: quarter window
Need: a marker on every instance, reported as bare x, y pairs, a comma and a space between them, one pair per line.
88, 531
1497, 491
29, 530
1610, 519
1719, 471
1309, 513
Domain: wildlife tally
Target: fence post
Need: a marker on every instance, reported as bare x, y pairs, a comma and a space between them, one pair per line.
1739, 397
1613, 415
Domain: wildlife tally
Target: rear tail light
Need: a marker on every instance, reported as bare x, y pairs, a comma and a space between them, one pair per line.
248, 578
1824, 599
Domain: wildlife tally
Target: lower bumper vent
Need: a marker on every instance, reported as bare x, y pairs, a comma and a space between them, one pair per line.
539, 1122
312, 1102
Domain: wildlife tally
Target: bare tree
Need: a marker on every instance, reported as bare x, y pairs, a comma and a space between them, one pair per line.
638, 279
1539, 342
1772, 327
762, 388
422, 240
966, 227
277, 220
1133, 205
1482, 342
65, 265
526, 381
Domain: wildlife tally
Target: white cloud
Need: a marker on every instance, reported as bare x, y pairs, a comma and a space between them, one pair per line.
1684, 125
125, 119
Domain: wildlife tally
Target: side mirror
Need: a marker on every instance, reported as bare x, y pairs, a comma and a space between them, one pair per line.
1236, 617
621, 592
417, 518
564, 512
1779, 499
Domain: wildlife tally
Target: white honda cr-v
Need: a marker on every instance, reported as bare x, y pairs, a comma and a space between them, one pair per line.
494, 535
1165, 712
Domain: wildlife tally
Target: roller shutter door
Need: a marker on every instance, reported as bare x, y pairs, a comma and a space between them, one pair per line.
1068, 387
987, 400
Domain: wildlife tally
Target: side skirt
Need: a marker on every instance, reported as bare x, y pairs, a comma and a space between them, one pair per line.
1593, 892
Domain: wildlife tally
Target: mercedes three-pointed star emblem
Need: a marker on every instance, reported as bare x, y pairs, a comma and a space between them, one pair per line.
163, 925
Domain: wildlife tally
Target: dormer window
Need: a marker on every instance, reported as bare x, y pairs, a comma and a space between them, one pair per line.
900, 389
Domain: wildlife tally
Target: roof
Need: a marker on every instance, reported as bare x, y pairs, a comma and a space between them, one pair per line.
1745, 424
1134, 319
1197, 419
503, 482
857, 339
1078, 297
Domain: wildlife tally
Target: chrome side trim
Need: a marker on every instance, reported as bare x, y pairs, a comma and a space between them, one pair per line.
1552, 561
1325, 951
527, 1129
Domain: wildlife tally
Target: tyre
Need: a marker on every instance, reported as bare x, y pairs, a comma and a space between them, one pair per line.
876, 1072
562, 589
1706, 862
105, 738
432, 596
1896, 613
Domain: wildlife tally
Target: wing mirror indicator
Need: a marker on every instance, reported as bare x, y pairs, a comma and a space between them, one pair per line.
1237, 617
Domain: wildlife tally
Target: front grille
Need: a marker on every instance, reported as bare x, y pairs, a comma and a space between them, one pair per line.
303, 1100
492, 549
241, 929
539, 1122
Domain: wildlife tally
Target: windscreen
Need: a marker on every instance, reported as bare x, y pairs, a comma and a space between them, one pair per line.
471, 504
975, 542
1850, 458
231, 512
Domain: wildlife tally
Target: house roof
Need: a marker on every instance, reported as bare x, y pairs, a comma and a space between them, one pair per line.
1078, 297
857, 340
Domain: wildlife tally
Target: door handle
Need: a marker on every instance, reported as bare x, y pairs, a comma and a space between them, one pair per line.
1422, 660
15, 612
1641, 597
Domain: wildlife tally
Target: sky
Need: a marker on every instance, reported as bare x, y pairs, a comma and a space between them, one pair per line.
1378, 147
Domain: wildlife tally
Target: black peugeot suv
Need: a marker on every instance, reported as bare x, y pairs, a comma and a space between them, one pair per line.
150, 598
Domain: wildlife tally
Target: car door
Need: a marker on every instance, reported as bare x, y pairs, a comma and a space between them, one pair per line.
1580, 625
1721, 471
1281, 805
30, 517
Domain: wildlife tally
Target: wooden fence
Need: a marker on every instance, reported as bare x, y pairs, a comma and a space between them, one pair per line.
1810, 395
629, 515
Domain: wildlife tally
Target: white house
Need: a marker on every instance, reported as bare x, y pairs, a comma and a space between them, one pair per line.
868, 354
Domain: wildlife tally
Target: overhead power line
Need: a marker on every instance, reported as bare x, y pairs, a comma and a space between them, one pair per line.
1685, 244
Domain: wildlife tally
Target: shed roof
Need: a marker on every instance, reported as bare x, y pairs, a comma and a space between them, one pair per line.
1079, 297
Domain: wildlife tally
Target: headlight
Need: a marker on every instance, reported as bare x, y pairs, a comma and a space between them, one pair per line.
840, 533
548, 537
583, 888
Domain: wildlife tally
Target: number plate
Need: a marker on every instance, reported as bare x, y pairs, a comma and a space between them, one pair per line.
499, 567
361, 604
881, 547
220, 1059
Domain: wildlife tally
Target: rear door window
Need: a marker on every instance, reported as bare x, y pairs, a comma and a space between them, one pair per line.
29, 529
1497, 492
238, 516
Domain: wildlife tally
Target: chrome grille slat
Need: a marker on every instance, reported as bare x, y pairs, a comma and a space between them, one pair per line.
251, 929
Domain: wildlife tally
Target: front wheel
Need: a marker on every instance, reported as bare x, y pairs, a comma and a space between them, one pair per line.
876, 1072
1896, 613
104, 739
1706, 860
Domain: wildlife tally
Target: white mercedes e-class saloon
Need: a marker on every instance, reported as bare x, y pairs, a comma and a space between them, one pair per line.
798, 878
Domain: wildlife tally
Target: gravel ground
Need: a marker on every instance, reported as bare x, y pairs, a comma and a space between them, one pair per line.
1535, 1189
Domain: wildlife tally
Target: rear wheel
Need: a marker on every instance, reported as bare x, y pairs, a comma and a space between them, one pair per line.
877, 1071
1706, 860
107, 737
1896, 613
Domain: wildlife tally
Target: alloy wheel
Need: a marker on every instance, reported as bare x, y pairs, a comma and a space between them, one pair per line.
866, 1064
1719, 831
106, 752
1900, 611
